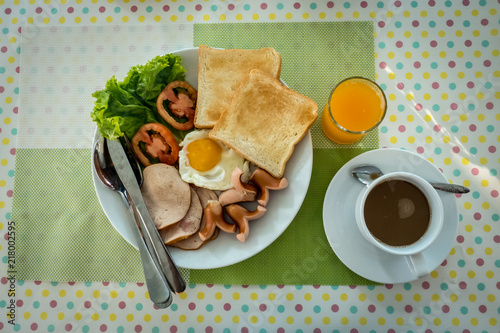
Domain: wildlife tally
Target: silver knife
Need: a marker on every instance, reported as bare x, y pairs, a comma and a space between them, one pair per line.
154, 243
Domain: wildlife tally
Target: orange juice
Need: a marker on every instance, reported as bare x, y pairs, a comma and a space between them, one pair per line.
356, 106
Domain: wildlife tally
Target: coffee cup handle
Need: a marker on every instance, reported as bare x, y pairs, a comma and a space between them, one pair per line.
418, 265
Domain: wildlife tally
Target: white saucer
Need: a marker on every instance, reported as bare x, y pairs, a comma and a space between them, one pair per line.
347, 241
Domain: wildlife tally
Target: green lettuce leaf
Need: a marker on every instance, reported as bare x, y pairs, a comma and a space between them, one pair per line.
123, 107
160, 72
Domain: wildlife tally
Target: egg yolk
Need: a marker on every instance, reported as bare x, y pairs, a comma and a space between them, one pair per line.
203, 154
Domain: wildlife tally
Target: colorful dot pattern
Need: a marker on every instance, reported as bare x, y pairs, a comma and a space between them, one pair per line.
438, 64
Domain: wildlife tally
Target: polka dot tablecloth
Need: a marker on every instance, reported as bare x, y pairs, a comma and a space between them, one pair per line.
438, 63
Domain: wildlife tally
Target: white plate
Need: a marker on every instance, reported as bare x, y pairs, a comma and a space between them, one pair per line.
226, 249
347, 241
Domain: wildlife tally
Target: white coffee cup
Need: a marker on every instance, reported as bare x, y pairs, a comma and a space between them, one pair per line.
413, 252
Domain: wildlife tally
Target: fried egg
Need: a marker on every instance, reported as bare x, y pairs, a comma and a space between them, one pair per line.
207, 163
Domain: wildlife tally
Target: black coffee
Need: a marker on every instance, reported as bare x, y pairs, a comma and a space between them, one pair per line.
397, 213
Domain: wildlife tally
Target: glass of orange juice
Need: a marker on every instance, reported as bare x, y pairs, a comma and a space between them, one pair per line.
355, 107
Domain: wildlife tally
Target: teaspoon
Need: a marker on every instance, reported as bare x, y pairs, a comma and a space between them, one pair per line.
368, 173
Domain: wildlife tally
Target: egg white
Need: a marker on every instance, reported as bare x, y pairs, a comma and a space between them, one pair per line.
217, 178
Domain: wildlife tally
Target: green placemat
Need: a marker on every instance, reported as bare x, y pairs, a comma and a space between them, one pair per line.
62, 232
315, 57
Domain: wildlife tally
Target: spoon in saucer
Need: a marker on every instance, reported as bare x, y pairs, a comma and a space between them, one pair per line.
156, 283
368, 173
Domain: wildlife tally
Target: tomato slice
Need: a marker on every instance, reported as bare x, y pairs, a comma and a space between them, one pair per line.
159, 143
182, 104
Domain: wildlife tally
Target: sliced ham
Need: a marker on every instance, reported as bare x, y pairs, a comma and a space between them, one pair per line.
188, 225
166, 195
194, 242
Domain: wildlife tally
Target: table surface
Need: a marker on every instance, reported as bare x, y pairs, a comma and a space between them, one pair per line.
438, 62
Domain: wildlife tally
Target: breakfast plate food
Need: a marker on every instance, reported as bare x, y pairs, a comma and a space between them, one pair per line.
280, 209
346, 240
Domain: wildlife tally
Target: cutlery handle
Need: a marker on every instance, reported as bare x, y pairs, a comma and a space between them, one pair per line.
453, 188
154, 243
158, 289
158, 249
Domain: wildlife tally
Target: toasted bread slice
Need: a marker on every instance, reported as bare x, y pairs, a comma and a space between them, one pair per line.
265, 121
220, 73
